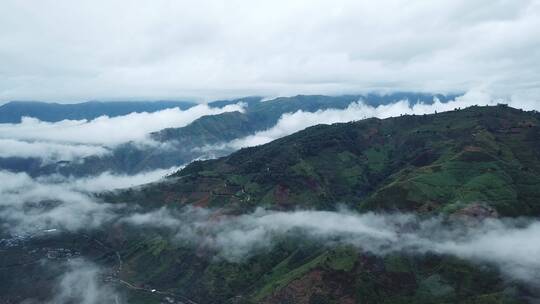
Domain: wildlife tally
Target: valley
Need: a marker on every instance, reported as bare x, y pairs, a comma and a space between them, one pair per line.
263, 224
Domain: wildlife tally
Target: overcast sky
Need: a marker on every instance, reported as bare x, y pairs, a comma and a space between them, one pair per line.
81, 50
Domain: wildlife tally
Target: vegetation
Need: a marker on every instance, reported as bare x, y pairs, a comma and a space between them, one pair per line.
429, 164
184, 144
481, 159
12, 112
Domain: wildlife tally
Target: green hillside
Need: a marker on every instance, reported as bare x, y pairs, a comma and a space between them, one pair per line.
13, 112
183, 144
476, 162
428, 163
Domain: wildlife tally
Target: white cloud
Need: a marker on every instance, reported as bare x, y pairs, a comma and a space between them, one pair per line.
511, 244
167, 49
108, 181
108, 130
515, 249
48, 151
293, 122
28, 205
83, 283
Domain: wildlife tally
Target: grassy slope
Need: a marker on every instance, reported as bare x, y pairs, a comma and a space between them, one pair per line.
131, 158
432, 163
427, 164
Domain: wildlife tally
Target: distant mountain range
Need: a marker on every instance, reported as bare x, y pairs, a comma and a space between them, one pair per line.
183, 143
477, 163
12, 112
487, 155
463, 166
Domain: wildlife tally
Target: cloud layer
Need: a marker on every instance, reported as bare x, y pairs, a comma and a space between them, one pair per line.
72, 140
293, 122
167, 49
29, 205
48, 151
83, 283
511, 244
108, 130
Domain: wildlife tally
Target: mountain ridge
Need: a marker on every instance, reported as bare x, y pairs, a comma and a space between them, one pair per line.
347, 162
446, 164
12, 112
471, 165
186, 143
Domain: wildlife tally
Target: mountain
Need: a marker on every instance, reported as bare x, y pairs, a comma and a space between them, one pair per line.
261, 115
184, 144
480, 162
477, 155
472, 164
12, 112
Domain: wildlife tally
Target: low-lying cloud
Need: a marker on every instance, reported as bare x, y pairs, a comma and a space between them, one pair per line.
55, 202
73, 140
30, 205
511, 244
49, 151
83, 283
293, 122
106, 130
107, 181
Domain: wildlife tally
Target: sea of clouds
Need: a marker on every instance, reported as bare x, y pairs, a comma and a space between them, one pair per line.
293, 122
67, 203
70, 140
513, 245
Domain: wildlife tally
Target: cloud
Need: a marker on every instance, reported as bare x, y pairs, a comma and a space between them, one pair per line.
514, 248
293, 122
49, 151
28, 205
108, 130
511, 244
108, 181
171, 49
82, 283
73, 140
31, 205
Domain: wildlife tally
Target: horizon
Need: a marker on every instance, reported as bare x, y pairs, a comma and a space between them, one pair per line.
205, 101
242, 152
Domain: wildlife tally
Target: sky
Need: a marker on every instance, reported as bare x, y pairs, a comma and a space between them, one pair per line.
71, 51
